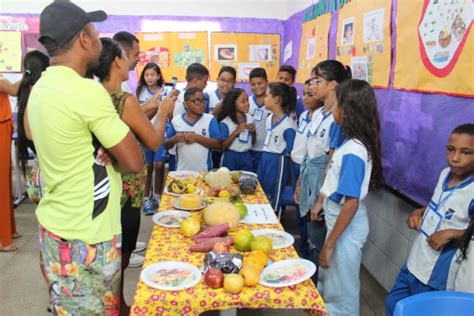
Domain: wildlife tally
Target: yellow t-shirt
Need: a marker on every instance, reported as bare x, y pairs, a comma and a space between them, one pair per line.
81, 199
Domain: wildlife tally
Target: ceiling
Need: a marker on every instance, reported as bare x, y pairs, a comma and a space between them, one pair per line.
270, 9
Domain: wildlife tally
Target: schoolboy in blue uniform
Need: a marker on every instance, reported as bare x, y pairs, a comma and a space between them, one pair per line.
287, 74
433, 261
259, 85
194, 133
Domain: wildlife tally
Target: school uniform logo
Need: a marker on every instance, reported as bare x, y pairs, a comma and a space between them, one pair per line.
449, 214
203, 132
322, 133
275, 139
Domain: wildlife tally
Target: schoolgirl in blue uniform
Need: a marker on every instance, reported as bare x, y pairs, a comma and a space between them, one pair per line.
237, 131
355, 168
149, 84
280, 135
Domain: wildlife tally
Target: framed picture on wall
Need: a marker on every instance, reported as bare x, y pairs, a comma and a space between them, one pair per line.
224, 52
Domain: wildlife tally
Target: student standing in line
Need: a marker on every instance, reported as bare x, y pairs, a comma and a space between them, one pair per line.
280, 135
324, 136
149, 84
195, 133
434, 257
287, 74
225, 82
355, 168
79, 213
237, 131
298, 154
259, 85
113, 70
196, 77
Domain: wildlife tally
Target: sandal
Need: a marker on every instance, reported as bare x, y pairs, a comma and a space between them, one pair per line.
8, 248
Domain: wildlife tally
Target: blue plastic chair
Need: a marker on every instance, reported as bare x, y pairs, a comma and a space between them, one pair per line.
286, 199
442, 303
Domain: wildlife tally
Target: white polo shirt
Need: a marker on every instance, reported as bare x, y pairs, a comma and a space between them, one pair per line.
300, 148
259, 114
324, 134
280, 137
194, 156
241, 143
348, 173
455, 207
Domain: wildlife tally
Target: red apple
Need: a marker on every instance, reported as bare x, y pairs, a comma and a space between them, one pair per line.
214, 278
221, 247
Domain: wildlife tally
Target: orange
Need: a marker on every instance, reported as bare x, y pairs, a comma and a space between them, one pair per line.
260, 255
253, 262
262, 243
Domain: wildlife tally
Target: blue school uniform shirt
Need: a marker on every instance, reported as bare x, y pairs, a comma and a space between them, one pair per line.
300, 147
145, 94
194, 156
323, 134
434, 268
241, 143
280, 136
348, 173
259, 114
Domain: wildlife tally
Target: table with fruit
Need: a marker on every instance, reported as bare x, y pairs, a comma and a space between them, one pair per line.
214, 241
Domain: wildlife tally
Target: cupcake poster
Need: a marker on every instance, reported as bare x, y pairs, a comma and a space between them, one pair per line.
442, 32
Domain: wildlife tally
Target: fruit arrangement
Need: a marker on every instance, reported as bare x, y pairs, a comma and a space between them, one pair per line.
219, 178
182, 186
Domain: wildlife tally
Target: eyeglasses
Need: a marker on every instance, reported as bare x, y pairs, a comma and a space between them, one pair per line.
197, 101
226, 81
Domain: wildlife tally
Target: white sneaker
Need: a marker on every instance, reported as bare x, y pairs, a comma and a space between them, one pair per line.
136, 261
140, 246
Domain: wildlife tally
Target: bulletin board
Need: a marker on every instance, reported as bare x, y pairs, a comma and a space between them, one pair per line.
435, 47
10, 52
363, 40
313, 46
173, 51
245, 51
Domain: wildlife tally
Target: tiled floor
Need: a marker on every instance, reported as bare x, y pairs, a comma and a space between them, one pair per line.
23, 291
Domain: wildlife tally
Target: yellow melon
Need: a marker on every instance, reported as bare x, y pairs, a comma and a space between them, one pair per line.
221, 213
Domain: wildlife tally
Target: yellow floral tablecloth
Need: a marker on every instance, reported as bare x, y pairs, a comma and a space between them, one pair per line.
168, 244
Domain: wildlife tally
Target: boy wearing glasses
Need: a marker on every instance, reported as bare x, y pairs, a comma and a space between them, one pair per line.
225, 82
194, 133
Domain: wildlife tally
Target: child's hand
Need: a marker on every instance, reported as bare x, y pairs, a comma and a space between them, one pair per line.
415, 219
241, 127
191, 138
296, 195
439, 239
167, 105
180, 138
325, 256
316, 211
251, 127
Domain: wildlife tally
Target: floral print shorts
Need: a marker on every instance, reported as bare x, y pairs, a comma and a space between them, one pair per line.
82, 279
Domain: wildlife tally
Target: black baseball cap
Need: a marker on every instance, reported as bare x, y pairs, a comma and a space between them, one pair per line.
61, 20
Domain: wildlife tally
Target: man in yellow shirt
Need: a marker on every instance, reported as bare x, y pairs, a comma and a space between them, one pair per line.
70, 118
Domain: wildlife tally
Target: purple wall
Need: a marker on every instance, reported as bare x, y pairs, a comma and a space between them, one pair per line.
415, 126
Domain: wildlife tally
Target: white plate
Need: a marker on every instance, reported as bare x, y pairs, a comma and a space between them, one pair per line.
280, 239
175, 275
177, 194
248, 172
287, 272
184, 174
177, 204
170, 219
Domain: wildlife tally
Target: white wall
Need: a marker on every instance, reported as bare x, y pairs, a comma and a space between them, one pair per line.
390, 239
271, 9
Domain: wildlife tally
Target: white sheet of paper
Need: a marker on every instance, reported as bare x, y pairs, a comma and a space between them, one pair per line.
260, 214
288, 52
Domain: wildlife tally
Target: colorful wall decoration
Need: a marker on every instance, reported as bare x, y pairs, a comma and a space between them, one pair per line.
435, 47
363, 40
173, 51
245, 51
314, 46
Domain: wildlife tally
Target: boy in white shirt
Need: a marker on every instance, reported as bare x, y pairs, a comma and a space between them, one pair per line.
194, 133
433, 261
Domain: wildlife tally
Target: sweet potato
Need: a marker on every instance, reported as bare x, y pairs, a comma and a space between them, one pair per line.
215, 231
206, 244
